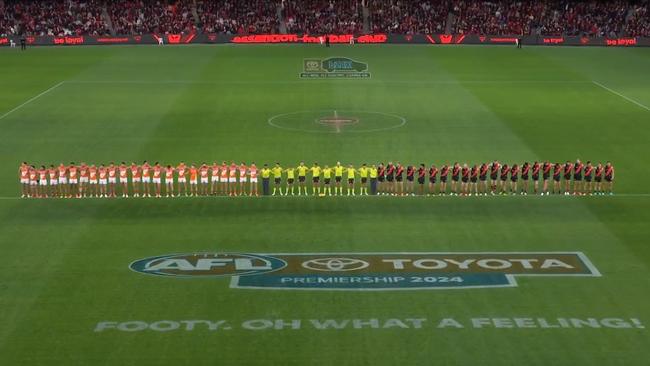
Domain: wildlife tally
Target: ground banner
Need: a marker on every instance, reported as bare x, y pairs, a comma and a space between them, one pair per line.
380, 38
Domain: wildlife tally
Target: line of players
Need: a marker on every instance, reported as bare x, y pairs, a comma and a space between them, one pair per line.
497, 178
145, 180
390, 179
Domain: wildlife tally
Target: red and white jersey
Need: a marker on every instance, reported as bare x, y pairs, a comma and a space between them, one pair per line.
124, 171
73, 172
32, 174
112, 171
224, 171
193, 173
42, 174
169, 174
102, 173
253, 171
135, 171
52, 172
233, 171
182, 168
62, 170
204, 171
157, 171
24, 172
83, 171
242, 170
93, 173
146, 170
215, 170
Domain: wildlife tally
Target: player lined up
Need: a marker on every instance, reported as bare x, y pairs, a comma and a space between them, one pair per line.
240, 179
145, 180
497, 178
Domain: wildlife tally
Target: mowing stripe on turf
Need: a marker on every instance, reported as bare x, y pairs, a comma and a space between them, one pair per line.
621, 95
32, 99
307, 82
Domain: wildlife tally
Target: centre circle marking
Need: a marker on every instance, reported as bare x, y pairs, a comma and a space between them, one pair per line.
339, 120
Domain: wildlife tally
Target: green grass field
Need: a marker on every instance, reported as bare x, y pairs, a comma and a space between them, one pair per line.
67, 261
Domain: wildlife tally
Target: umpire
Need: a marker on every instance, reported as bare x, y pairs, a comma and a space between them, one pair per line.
266, 176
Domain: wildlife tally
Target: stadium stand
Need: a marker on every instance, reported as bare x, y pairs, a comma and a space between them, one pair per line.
129, 17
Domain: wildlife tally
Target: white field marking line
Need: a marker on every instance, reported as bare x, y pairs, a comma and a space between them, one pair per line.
433, 198
621, 95
32, 99
376, 81
337, 124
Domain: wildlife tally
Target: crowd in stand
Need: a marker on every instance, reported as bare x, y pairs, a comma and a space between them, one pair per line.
408, 17
139, 17
52, 17
495, 17
323, 16
233, 17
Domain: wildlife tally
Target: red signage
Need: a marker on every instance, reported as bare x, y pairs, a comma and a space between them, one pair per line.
113, 40
4, 40
553, 40
294, 38
621, 42
69, 40
503, 40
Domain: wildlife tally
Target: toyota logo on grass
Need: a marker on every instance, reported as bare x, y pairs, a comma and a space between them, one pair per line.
335, 264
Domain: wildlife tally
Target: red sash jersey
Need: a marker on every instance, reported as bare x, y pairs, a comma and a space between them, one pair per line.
444, 171
568, 167
391, 170
599, 171
455, 171
381, 172
495, 169
465, 172
410, 172
609, 172
514, 172
475, 171
484, 170
421, 172
547, 168
504, 171
433, 171
588, 170
525, 170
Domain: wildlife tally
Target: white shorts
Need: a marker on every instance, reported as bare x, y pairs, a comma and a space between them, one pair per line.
112, 180
24, 181
102, 182
232, 180
54, 182
124, 180
146, 179
242, 179
193, 182
63, 180
83, 179
43, 182
254, 180
156, 180
93, 181
182, 180
72, 181
215, 179
33, 182
136, 180
204, 180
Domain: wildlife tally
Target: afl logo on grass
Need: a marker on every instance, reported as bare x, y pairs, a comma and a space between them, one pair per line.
370, 271
334, 67
208, 265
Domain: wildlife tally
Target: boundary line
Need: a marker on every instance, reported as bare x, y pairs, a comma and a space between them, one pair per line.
434, 198
309, 81
32, 99
621, 95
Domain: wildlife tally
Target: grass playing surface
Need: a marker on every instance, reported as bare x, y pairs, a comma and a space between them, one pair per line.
66, 261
